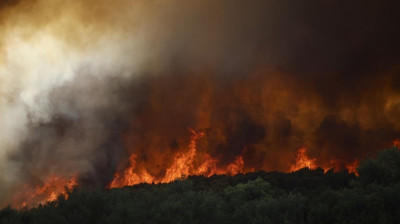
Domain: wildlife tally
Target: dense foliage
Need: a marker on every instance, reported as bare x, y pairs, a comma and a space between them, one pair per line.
305, 196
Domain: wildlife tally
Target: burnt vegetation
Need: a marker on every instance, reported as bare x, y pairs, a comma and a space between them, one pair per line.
304, 196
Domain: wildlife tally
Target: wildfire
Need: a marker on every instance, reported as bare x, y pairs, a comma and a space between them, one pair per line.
302, 160
396, 143
352, 167
184, 164
191, 162
47, 192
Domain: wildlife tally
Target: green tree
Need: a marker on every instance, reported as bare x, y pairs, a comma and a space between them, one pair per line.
383, 169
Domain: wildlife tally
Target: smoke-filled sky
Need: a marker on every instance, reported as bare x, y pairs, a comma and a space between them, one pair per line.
85, 84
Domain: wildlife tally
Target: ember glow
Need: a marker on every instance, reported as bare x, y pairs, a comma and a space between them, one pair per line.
124, 92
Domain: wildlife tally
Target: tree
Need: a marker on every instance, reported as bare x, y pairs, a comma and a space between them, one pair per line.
383, 169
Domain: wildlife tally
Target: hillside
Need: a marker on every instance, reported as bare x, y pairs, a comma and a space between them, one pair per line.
304, 196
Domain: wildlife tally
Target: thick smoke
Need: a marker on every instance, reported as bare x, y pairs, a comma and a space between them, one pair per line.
84, 84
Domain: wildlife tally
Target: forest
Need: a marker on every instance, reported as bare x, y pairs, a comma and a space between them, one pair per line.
304, 196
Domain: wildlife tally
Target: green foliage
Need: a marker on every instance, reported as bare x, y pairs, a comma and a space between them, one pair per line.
384, 169
305, 196
256, 189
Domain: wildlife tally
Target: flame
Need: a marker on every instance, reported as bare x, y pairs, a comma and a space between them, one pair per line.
352, 167
302, 160
130, 177
396, 143
183, 165
47, 192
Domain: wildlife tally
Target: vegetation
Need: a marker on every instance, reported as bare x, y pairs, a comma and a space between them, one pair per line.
305, 196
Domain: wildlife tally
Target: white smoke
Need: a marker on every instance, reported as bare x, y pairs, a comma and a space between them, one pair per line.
39, 55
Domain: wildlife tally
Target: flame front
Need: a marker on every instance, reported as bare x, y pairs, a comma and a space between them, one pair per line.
183, 165
302, 160
46, 192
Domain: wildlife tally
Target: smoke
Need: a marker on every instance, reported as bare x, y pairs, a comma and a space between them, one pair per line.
45, 46
85, 84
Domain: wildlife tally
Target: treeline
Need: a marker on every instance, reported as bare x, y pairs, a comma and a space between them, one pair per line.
305, 196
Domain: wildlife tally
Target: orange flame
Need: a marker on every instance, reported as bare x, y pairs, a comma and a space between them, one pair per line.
47, 192
352, 167
183, 165
396, 143
302, 161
